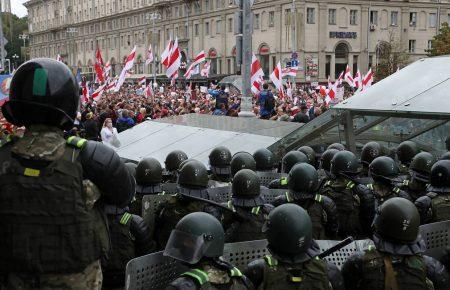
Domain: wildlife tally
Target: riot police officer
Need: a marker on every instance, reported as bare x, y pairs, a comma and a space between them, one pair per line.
249, 208
192, 196
310, 153
447, 143
419, 172
265, 160
220, 165
242, 160
405, 153
52, 227
130, 238
131, 167
396, 261
337, 146
355, 203
384, 172
148, 181
434, 206
198, 241
369, 152
325, 165
289, 160
172, 164
303, 183
445, 156
293, 262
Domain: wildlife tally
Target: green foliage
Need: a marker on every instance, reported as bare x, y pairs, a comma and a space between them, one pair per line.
19, 25
390, 57
440, 44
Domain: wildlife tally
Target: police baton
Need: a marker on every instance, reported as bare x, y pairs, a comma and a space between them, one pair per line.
336, 247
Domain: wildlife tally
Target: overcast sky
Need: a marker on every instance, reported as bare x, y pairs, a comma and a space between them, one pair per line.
17, 7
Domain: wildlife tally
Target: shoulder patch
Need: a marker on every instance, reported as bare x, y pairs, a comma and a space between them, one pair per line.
76, 142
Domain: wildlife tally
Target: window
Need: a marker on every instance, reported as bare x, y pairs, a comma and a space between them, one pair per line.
332, 16
230, 24
413, 19
412, 45
432, 20
310, 15
207, 28
374, 17
271, 18
394, 18
207, 7
256, 22
196, 29
287, 17
218, 26
353, 17
430, 44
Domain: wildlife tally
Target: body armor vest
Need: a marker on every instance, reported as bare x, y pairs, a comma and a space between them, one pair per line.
311, 275
348, 206
382, 271
440, 206
203, 279
122, 250
247, 227
45, 223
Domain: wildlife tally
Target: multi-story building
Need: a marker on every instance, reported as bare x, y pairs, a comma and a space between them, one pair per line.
325, 34
6, 5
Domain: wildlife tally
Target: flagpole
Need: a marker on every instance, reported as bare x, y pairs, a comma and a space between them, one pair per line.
153, 17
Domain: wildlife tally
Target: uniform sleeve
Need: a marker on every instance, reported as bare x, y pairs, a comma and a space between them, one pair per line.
104, 168
183, 283
335, 277
423, 205
437, 273
330, 209
404, 194
352, 271
142, 235
274, 184
367, 208
255, 272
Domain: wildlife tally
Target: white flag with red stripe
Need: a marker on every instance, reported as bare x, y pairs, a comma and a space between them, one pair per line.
348, 77
107, 69
150, 56
142, 81
98, 66
340, 79
85, 92
291, 71
193, 68
367, 80
129, 63
357, 79
277, 76
165, 56
98, 93
257, 75
205, 70
331, 88
174, 60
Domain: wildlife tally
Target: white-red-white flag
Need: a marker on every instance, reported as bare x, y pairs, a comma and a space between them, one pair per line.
201, 57
193, 68
348, 77
277, 76
256, 87
107, 69
290, 71
85, 91
59, 58
205, 70
142, 81
357, 79
129, 63
331, 88
367, 80
150, 56
149, 90
340, 79
174, 60
98, 66
97, 94
165, 56
111, 85
257, 75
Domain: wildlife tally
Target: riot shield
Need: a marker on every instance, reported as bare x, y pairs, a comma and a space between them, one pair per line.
267, 177
220, 194
271, 194
169, 188
437, 238
150, 204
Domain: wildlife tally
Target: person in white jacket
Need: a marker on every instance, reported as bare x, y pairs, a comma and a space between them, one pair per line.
109, 134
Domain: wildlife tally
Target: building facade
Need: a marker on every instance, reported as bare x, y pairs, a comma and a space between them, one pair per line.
323, 35
6, 5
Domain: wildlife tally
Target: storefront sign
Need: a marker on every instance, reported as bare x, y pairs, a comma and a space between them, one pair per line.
335, 34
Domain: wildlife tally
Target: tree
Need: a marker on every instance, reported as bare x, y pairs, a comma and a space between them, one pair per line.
19, 25
390, 57
440, 44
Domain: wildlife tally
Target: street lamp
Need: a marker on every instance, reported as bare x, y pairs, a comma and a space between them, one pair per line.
153, 17
24, 37
71, 31
15, 58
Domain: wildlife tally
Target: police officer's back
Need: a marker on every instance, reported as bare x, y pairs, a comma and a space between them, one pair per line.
197, 241
435, 206
325, 166
419, 175
310, 153
220, 166
249, 209
405, 153
303, 183
396, 261
289, 160
192, 193
355, 203
53, 232
148, 182
293, 262
369, 152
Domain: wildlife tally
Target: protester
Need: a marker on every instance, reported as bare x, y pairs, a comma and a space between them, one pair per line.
109, 134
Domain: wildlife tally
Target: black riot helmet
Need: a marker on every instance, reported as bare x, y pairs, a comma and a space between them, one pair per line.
440, 174
344, 163
197, 235
310, 153
174, 159
370, 151
303, 179
265, 160
246, 189
383, 169
131, 168
406, 152
337, 146
242, 160
220, 160
325, 159
193, 175
447, 143
289, 234
149, 172
445, 156
420, 167
43, 91
397, 221
291, 158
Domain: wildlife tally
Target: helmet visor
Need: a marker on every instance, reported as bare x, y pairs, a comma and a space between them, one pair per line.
185, 247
